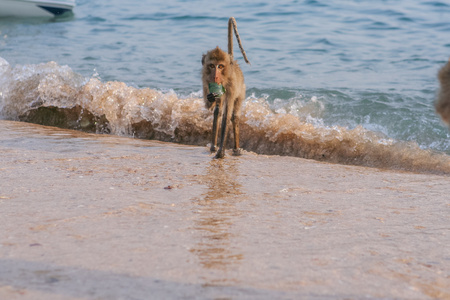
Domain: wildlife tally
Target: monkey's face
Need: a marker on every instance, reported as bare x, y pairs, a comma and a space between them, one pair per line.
216, 72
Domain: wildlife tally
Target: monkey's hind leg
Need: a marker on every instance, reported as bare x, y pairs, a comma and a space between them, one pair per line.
236, 150
215, 128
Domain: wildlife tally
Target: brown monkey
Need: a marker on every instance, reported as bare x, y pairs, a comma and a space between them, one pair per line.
442, 104
220, 67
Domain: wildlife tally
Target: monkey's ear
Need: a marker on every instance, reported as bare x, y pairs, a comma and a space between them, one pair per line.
203, 59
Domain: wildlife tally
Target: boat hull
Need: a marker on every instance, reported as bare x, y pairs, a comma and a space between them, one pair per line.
30, 8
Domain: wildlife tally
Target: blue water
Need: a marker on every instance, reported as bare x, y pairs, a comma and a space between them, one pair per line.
330, 63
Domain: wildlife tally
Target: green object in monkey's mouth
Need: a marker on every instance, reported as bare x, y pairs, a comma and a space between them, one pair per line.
216, 89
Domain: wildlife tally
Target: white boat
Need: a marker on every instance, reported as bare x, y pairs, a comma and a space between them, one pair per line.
35, 8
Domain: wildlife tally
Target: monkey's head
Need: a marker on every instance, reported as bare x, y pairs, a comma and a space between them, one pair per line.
216, 66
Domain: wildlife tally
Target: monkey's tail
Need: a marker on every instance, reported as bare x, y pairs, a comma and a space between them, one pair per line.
232, 25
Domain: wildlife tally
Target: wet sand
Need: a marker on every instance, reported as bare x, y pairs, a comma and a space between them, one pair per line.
88, 216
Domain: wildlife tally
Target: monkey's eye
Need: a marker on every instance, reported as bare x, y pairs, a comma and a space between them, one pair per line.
221, 67
212, 66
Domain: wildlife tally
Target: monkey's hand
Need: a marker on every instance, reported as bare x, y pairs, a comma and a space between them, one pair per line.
211, 97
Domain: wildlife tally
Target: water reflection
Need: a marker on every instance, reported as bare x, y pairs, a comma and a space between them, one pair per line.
217, 211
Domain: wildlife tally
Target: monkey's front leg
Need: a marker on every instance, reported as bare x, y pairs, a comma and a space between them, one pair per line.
215, 128
223, 133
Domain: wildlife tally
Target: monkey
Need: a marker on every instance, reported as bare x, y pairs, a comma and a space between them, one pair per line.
442, 105
220, 68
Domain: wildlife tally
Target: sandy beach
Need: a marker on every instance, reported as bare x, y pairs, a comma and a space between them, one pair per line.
87, 216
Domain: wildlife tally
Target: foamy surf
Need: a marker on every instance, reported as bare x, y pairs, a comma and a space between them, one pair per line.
55, 95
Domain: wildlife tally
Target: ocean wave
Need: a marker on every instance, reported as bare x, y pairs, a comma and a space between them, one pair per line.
55, 95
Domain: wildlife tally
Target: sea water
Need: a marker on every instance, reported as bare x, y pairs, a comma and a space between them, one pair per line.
341, 81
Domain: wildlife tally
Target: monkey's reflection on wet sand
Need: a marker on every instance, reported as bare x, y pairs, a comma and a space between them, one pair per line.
216, 213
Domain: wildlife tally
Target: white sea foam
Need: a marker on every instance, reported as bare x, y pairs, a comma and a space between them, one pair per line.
55, 95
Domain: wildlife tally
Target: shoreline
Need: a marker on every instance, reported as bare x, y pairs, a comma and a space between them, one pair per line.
100, 216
